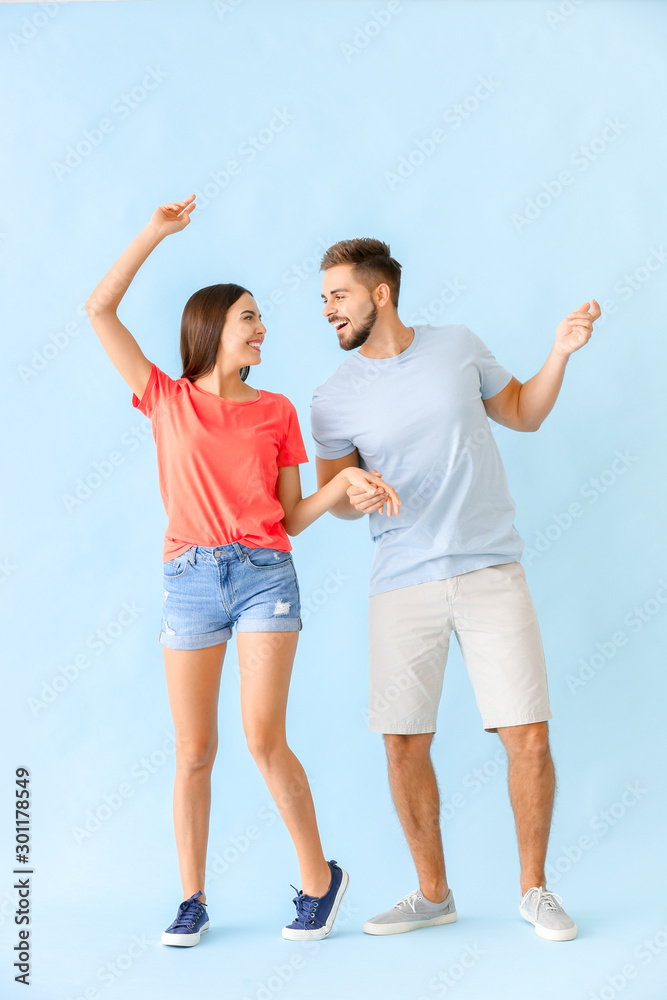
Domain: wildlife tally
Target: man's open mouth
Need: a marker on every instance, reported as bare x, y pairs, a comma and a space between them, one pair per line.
340, 325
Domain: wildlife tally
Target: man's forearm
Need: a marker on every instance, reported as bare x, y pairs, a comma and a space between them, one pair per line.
538, 395
345, 511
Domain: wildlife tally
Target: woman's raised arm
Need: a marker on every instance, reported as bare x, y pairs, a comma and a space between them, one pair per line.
101, 306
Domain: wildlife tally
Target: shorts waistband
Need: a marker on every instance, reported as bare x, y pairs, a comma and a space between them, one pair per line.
217, 553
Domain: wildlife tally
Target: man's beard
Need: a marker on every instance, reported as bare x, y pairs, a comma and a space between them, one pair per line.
361, 335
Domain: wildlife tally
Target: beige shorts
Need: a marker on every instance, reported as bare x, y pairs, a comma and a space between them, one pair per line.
492, 614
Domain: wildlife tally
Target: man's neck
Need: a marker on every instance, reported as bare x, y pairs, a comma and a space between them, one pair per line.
388, 339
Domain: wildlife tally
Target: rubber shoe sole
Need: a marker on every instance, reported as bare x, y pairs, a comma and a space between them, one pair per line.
408, 925
185, 940
567, 934
294, 934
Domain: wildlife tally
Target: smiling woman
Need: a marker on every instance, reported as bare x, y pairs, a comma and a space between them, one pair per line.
230, 307
228, 465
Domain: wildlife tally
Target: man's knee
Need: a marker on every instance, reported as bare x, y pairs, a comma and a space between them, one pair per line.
530, 740
407, 750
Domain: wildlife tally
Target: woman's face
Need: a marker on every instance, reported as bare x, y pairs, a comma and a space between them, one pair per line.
242, 334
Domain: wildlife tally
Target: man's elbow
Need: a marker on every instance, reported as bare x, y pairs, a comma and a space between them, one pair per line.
525, 424
529, 427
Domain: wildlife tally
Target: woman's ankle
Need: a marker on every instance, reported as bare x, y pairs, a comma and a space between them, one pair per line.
318, 884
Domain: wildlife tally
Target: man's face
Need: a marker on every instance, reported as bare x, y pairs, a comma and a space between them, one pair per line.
348, 306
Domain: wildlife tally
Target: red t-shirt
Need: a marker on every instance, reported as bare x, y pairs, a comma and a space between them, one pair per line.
218, 463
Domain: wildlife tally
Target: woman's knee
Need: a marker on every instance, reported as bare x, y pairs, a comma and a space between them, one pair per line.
265, 743
195, 753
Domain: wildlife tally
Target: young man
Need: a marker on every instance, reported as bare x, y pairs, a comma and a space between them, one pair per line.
414, 402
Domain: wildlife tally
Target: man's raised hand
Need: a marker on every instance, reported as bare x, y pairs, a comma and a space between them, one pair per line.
577, 328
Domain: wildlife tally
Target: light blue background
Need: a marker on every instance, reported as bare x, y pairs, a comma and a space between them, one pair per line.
67, 573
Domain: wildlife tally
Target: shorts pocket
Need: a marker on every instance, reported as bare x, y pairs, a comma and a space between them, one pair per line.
178, 566
267, 558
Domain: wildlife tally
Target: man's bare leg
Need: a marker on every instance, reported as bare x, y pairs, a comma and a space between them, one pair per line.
416, 797
532, 785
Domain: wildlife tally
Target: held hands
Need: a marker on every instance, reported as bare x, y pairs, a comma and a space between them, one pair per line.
576, 329
368, 492
172, 218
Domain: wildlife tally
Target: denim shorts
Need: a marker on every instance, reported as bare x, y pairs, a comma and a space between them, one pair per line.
207, 590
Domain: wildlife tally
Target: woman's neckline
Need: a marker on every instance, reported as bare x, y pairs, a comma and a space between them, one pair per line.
232, 402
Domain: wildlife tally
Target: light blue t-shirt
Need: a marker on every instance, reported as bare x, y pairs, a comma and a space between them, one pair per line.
419, 419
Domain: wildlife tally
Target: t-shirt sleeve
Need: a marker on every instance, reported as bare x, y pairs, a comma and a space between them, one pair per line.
329, 440
158, 387
292, 450
492, 376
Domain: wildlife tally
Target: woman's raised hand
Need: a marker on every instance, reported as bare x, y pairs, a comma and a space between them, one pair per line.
172, 218
372, 484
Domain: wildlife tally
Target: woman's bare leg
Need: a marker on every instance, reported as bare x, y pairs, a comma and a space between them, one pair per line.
265, 660
193, 680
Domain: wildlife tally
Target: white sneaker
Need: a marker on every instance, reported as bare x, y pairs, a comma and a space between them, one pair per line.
411, 913
543, 910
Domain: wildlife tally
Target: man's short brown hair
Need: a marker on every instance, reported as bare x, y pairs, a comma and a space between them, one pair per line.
371, 260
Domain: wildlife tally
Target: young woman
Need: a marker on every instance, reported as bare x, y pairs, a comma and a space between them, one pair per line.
228, 458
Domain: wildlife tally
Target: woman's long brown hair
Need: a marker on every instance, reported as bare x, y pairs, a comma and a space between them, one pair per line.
203, 318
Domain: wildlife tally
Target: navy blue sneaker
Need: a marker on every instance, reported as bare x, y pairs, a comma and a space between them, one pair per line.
315, 915
190, 923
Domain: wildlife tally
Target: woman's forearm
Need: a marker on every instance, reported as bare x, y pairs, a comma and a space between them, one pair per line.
111, 289
308, 509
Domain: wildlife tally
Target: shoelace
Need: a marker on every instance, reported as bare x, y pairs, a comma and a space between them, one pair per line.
305, 908
550, 900
409, 900
188, 913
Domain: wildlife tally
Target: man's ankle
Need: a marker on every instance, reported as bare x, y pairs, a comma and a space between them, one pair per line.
434, 893
527, 884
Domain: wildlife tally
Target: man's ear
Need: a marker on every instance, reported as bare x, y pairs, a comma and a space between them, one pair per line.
382, 294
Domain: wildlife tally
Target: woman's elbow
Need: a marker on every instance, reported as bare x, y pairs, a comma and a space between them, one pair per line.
291, 528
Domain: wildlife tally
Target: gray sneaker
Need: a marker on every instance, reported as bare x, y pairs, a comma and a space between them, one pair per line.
411, 913
543, 909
